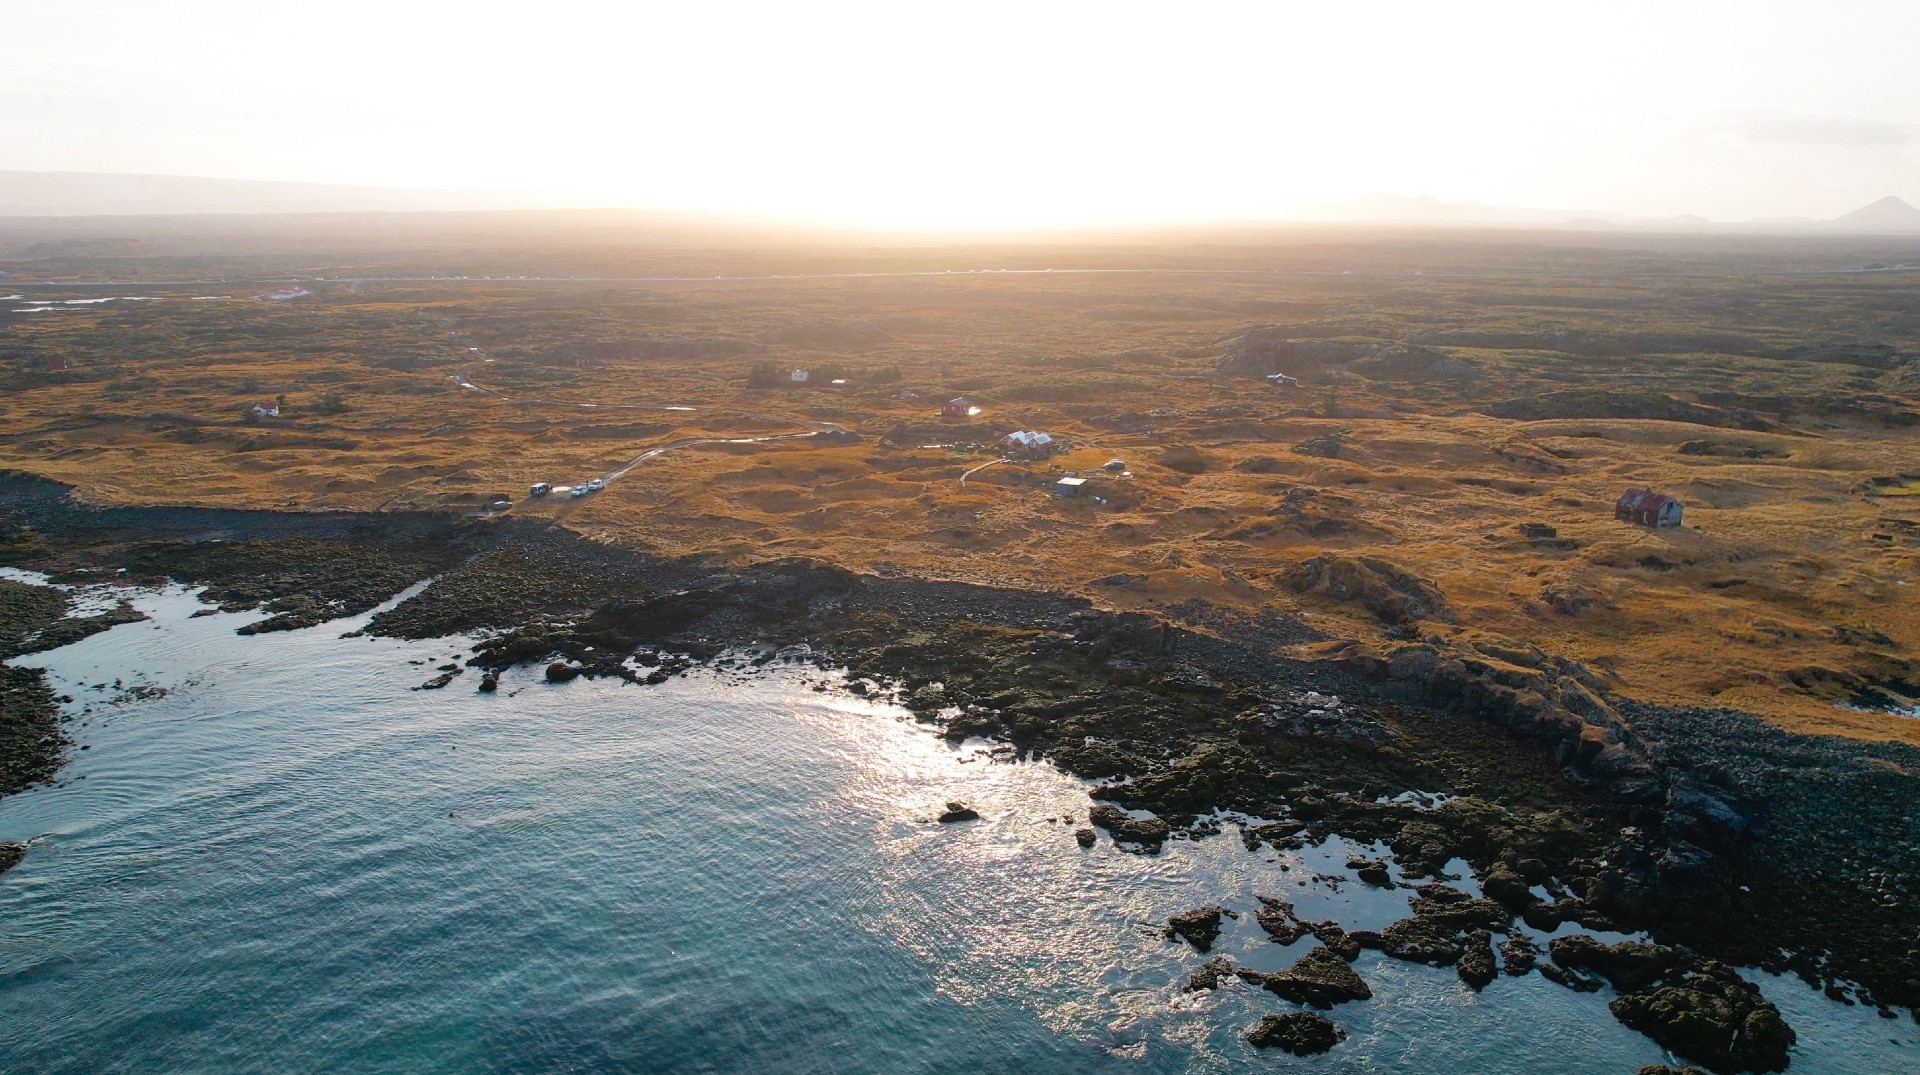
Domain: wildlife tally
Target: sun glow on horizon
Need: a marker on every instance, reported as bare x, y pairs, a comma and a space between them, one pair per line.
983, 115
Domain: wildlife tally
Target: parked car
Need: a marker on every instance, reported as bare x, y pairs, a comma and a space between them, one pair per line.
596, 485
501, 505
539, 488
579, 490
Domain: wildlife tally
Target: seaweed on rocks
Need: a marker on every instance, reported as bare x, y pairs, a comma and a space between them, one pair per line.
1698, 1008
30, 739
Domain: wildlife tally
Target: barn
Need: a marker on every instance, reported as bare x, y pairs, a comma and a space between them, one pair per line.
1646, 508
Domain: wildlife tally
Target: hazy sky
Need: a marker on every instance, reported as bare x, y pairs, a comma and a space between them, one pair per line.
971, 112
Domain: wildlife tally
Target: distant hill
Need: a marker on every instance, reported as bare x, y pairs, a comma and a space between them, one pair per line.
104, 194
1887, 214
1396, 209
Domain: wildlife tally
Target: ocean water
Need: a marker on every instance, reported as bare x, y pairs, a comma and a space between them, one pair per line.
292, 861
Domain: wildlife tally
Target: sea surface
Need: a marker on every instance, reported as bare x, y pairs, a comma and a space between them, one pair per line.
293, 861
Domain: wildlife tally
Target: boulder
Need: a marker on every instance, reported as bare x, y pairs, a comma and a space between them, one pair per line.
1504, 885
1300, 1033
1210, 975
1319, 979
958, 812
561, 671
1083, 836
1372, 871
1715, 1019
1198, 927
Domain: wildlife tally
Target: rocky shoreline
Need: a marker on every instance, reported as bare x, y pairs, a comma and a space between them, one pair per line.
1726, 841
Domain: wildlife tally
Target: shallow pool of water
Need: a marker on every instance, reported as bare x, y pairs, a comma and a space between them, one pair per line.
292, 860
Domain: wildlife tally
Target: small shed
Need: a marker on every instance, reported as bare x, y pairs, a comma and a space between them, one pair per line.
957, 407
56, 364
1281, 380
1066, 487
1646, 508
800, 376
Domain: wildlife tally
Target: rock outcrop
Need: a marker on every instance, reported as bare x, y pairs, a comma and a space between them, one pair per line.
1300, 1033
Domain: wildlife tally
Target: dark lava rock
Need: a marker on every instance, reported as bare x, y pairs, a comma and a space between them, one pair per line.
1630, 965
1714, 1018
561, 671
10, 856
1372, 871
1518, 955
1413, 941
1277, 918
1210, 975
1319, 979
1300, 1033
1198, 927
1150, 833
1336, 939
1662, 1069
958, 812
1578, 981
1504, 885
1441, 908
438, 681
489, 682
1084, 837
1476, 966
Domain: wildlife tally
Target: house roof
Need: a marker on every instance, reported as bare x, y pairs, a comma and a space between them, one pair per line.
1071, 482
1643, 500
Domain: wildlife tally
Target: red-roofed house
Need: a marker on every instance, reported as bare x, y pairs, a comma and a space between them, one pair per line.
1647, 508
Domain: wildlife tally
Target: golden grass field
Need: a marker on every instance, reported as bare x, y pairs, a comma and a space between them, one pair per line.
1794, 584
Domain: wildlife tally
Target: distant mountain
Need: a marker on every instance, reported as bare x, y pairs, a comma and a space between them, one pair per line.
105, 194
1887, 214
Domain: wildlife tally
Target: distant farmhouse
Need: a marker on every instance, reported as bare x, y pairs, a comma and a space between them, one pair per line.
1030, 444
1647, 508
957, 407
285, 293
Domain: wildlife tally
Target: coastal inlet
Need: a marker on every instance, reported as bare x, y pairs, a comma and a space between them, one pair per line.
277, 854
